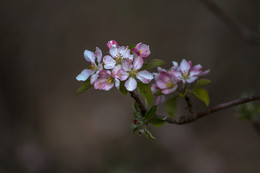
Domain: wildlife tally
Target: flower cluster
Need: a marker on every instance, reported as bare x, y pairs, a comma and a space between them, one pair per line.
121, 65
167, 81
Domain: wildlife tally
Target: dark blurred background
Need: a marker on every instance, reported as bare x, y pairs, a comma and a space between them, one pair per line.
44, 127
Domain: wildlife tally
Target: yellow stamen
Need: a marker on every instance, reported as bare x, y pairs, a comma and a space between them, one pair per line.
170, 85
140, 51
109, 80
92, 67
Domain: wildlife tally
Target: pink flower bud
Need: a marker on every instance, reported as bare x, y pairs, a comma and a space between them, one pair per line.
111, 43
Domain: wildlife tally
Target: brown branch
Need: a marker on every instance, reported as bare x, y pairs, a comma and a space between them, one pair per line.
189, 119
138, 102
248, 35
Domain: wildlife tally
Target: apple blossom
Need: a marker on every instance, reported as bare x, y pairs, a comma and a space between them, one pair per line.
95, 67
117, 55
187, 73
142, 50
111, 43
130, 70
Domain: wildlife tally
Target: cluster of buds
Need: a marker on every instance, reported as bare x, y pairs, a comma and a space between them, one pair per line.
167, 81
121, 65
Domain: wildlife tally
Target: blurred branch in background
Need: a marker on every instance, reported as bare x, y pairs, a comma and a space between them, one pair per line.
251, 37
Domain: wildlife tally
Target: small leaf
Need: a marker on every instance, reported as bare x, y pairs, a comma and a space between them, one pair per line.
171, 106
136, 108
145, 91
157, 122
148, 134
132, 46
150, 114
122, 88
85, 86
201, 94
202, 82
153, 64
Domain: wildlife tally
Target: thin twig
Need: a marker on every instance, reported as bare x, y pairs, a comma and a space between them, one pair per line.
189, 119
248, 35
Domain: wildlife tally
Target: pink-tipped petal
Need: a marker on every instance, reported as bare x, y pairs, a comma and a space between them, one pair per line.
107, 86
84, 75
138, 63
144, 76
127, 64
104, 73
111, 43
122, 75
98, 54
115, 70
168, 91
89, 56
99, 83
130, 84
109, 62
205, 72
161, 84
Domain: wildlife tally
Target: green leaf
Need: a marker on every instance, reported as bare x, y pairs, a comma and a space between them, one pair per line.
181, 94
131, 46
85, 86
136, 108
122, 88
150, 114
157, 122
201, 94
202, 82
171, 106
148, 134
153, 64
145, 91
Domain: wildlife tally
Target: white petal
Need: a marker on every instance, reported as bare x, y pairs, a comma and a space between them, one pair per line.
144, 76
98, 54
93, 78
113, 51
109, 62
117, 83
89, 56
84, 75
131, 84
184, 66
138, 62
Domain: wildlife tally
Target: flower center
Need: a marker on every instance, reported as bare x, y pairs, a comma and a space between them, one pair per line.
93, 67
132, 72
170, 85
185, 75
109, 80
140, 51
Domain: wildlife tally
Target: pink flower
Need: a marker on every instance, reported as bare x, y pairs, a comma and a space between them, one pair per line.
141, 50
118, 54
160, 98
111, 43
130, 71
165, 81
94, 68
186, 73
107, 79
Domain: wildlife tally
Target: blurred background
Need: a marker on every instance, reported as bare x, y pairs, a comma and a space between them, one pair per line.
45, 128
